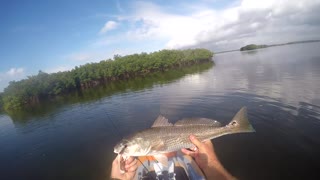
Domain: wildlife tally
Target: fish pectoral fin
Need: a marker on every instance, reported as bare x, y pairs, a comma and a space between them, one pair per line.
161, 158
157, 146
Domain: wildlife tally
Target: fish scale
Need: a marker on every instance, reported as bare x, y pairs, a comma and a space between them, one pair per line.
175, 138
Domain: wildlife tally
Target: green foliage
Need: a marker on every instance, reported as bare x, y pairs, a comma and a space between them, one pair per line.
1, 101
252, 47
44, 85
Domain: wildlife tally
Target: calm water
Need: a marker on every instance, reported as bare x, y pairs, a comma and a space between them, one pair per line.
73, 138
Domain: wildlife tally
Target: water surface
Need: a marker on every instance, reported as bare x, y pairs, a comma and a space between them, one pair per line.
73, 137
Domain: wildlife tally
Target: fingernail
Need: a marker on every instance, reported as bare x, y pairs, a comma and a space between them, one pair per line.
192, 137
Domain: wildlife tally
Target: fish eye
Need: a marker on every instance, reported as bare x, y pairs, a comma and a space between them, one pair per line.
234, 123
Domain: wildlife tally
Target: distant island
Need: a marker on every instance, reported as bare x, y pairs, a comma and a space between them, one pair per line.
254, 46
44, 86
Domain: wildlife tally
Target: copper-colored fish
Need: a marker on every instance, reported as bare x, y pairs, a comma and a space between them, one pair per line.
164, 137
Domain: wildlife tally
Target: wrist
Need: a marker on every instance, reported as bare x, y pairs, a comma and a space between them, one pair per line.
112, 178
215, 170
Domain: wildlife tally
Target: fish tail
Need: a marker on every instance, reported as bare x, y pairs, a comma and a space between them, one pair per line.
240, 122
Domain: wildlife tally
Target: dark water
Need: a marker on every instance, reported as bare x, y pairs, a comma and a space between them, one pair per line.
73, 137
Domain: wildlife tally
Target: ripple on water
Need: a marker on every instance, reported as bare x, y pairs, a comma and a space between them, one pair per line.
279, 86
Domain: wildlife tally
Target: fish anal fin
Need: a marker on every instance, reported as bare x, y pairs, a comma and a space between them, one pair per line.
161, 121
161, 158
197, 121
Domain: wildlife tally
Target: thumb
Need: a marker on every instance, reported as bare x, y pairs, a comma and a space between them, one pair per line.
188, 152
116, 160
195, 141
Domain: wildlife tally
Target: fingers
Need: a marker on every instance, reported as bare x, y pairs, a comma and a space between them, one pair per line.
129, 160
188, 152
207, 142
208, 145
198, 145
194, 148
116, 160
131, 165
195, 141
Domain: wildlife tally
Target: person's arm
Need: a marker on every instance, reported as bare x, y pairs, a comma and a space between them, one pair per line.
207, 160
130, 169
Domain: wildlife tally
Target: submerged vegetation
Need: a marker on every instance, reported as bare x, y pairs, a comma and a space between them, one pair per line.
252, 47
43, 86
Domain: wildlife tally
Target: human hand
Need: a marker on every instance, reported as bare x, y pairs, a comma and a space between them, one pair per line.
203, 152
130, 168
207, 160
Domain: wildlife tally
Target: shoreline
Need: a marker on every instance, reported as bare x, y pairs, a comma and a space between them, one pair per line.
35, 89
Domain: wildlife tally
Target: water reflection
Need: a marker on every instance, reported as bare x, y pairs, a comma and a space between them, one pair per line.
272, 72
91, 95
279, 85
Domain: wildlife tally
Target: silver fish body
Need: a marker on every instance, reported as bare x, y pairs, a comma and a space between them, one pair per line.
164, 137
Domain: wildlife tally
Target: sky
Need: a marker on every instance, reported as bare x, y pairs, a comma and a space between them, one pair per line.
58, 35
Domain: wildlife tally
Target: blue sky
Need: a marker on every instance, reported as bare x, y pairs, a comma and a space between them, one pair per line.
57, 35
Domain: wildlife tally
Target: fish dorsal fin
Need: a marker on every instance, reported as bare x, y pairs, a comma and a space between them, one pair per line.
161, 121
197, 121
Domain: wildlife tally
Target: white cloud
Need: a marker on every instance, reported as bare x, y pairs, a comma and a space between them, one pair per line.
152, 27
58, 69
253, 4
80, 57
88, 57
249, 21
13, 74
110, 25
15, 71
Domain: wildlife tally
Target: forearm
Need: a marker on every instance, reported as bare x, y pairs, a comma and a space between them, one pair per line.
215, 170
207, 160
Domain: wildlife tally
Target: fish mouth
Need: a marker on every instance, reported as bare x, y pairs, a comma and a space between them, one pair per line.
122, 159
121, 151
